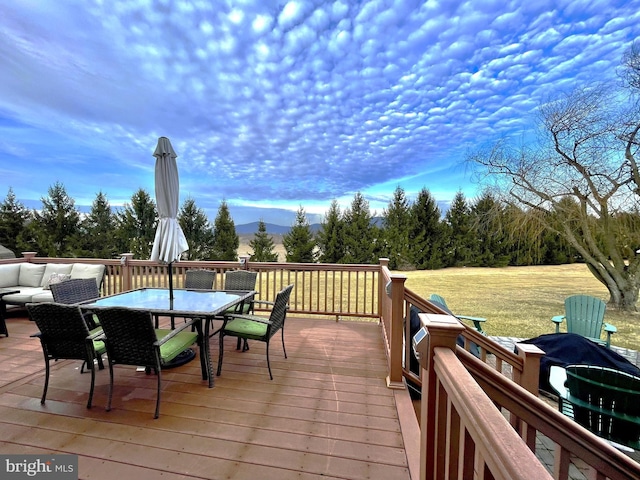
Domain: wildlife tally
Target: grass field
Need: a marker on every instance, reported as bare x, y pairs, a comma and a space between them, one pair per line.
520, 301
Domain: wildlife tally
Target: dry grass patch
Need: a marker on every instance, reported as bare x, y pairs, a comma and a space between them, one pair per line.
520, 301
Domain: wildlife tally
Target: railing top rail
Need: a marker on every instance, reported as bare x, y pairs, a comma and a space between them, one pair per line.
498, 350
504, 452
562, 430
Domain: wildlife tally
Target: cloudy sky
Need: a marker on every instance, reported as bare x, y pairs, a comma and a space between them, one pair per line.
272, 105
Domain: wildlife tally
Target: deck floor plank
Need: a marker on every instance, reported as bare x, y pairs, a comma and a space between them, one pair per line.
327, 413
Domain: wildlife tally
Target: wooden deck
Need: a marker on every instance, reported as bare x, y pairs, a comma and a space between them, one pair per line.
327, 414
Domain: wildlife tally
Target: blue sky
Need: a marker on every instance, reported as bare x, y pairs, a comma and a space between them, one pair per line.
273, 105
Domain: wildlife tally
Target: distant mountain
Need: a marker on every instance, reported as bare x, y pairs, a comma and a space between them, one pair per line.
272, 228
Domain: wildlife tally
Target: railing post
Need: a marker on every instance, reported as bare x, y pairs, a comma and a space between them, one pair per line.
127, 273
29, 255
529, 379
443, 333
244, 262
396, 291
384, 265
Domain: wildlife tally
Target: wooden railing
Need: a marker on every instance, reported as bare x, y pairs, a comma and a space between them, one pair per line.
480, 415
335, 290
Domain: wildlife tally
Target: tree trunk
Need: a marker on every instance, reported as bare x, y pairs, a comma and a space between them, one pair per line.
623, 295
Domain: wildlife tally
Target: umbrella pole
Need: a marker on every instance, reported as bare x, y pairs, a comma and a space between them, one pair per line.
171, 283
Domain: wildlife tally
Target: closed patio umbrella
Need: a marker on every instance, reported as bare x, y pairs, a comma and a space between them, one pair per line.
170, 241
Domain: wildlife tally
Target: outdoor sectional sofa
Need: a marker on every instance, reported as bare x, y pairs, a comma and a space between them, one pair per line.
32, 280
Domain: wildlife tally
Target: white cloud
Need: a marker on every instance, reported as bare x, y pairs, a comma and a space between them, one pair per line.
295, 102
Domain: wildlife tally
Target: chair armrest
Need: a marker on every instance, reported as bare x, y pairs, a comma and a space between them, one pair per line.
264, 302
252, 318
558, 319
96, 335
610, 328
473, 319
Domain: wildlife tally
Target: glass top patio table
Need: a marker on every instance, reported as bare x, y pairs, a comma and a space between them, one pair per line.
205, 304
187, 303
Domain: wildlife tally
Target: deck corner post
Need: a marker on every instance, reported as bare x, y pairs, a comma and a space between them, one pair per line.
127, 273
396, 291
443, 333
530, 376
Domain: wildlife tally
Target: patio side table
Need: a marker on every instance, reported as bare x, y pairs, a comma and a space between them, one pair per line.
3, 310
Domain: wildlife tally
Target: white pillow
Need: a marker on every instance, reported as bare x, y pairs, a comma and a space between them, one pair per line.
84, 270
31, 275
54, 268
56, 278
9, 275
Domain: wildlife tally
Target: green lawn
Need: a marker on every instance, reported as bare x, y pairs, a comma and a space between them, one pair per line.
520, 301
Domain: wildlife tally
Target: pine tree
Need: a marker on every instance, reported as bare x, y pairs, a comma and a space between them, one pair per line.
299, 243
491, 238
263, 245
330, 237
56, 227
197, 230
225, 239
359, 234
97, 230
14, 217
426, 232
396, 225
136, 225
460, 246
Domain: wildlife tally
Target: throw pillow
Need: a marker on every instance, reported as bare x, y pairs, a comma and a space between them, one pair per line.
56, 278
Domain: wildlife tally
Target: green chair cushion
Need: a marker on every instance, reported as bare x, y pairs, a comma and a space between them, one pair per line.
176, 345
246, 328
243, 311
98, 345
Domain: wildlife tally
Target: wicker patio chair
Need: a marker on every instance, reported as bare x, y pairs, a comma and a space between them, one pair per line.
131, 339
64, 335
75, 291
244, 281
257, 328
200, 279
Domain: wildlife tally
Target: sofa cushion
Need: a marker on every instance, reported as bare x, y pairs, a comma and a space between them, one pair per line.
82, 270
9, 275
42, 296
54, 268
25, 296
30, 275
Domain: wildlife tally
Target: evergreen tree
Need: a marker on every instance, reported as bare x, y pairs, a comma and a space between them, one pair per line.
197, 230
97, 231
299, 243
136, 225
56, 227
426, 232
460, 241
263, 245
225, 239
360, 236
490, 232
14, 217
330, 237
397, 224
